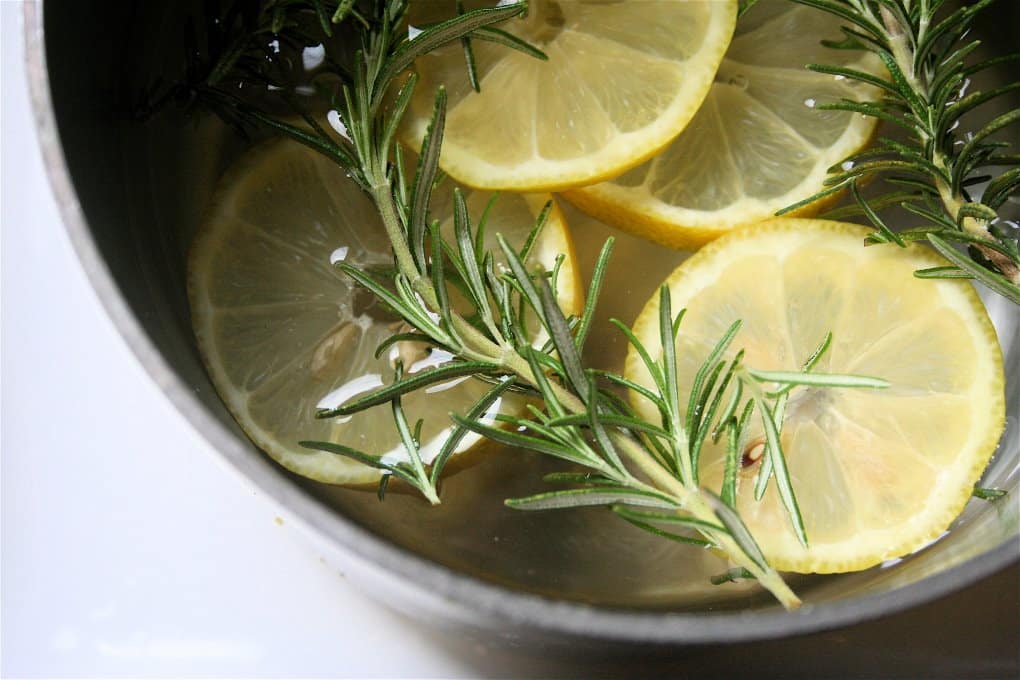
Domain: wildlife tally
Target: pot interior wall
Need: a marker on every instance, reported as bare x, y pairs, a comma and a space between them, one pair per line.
143, 186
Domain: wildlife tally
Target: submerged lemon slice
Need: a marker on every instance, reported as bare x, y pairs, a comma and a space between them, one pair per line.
877, 473
282, 332
622, 80
759, 142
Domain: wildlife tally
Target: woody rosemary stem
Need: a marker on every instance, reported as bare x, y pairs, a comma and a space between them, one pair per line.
482, 347
693, 502
904, 56
382, 195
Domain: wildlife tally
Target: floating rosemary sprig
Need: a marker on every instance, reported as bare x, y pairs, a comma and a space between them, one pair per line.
515, 335
955, 180
237, 43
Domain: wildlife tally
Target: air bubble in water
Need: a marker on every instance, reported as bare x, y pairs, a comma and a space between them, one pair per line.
963, 89
313, 56
333, 118
339, 255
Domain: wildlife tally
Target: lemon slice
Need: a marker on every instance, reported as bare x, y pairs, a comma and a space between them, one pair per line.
622, 80
877, 473
282, 332
759, 142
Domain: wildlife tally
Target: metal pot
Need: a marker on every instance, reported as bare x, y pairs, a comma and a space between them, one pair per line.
130, 194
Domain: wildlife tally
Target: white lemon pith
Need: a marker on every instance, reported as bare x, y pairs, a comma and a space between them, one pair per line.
877, 473
282, 332
621, 80
759, 142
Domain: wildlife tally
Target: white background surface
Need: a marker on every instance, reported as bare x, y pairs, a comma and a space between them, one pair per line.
127, 548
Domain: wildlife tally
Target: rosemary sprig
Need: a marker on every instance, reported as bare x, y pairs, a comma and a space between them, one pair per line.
956, 181
516, 336
237, 44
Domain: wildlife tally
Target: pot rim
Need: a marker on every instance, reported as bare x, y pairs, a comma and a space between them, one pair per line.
470, 599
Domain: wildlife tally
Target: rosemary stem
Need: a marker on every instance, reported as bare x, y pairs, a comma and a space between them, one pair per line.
691, 500
972, 225
479, 347
519, 365
382, 195
901, 49
924, 20
903, 54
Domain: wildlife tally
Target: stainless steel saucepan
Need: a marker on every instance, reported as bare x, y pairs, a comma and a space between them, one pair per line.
131, 196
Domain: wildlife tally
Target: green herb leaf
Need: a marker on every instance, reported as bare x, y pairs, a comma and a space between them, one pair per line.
577, 498
412, 383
